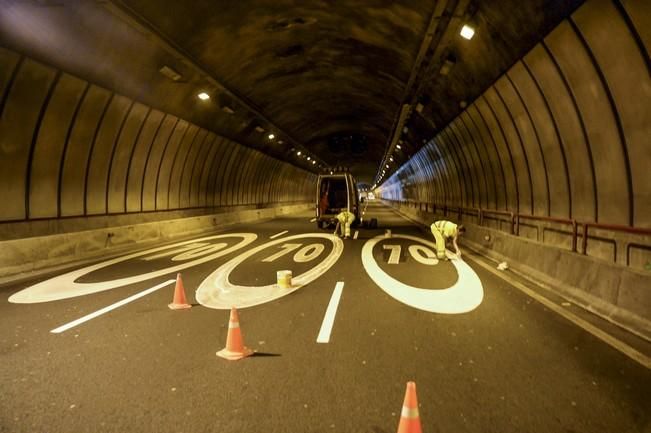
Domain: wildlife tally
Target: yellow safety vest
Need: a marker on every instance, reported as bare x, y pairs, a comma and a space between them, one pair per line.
446, 228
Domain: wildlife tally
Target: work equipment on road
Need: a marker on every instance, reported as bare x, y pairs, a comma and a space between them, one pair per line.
234, 349
409, 417
284, 279
179, 302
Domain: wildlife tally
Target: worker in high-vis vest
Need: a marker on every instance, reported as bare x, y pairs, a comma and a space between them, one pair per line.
443, 231
344, 220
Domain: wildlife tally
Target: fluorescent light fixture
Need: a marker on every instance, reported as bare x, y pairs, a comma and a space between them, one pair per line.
280, 142
259, 128
331, 172
398, 147
387, 166
298, 153
313, 162
170, 73
203, 96
447, 66
308, 158
391, 159
271, 136
467, 31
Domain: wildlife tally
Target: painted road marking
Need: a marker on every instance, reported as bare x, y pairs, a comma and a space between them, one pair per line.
65, 286
104, 310
216, 291
313, 220
394, 257
464, 296
331, 312
278, 234
356, 234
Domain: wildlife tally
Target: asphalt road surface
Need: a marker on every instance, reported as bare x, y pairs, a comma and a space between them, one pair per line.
485, 357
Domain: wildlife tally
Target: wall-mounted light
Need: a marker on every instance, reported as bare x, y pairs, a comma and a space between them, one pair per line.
298, 153
308, 158
391, 158
170, 73
203, 96
387, 166
313, 162
398, 147
258, 128
467, 31
271, 136
448, 64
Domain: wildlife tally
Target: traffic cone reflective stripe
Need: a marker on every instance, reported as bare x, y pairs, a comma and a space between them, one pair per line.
179, 302
234, 349
409, 416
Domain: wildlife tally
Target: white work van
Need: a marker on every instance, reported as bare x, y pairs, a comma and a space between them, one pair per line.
335, 193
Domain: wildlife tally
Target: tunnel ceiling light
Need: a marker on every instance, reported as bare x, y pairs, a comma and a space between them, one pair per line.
170, 73
271, 136
203, 96
259, 128
313, 162
398, 147
467, 31
308, 158
391, 159
298, 153
280, 142
387, 166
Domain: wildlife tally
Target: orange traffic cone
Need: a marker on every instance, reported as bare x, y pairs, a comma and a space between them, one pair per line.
409, 418
179, 302
234, 349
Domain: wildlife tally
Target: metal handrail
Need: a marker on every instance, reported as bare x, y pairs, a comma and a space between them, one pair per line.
516, 217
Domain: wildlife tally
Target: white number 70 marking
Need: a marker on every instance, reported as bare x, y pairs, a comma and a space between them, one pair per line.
305, 254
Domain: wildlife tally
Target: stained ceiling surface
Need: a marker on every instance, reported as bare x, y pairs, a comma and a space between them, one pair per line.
341, 81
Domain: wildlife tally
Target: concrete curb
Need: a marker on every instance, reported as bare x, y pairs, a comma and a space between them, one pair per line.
26, 258
617, 294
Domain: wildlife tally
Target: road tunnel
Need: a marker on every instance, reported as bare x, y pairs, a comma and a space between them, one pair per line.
142, 140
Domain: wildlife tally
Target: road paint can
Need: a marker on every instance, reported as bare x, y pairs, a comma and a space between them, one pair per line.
284, 279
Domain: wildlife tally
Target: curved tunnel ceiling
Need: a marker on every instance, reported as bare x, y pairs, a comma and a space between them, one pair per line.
331, 79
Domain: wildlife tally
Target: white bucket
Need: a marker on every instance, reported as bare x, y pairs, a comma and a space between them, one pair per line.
284, 279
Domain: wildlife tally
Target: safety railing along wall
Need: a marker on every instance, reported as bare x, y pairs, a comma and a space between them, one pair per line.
624, 245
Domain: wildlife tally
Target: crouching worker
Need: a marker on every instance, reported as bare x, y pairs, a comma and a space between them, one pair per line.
344, 220
444, 231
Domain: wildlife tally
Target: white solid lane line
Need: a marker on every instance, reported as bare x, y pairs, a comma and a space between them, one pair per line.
110, 307
278, 234
356, 234
313, 220
329, 319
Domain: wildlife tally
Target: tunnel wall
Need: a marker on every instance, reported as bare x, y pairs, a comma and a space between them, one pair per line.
549, 167
72, 150
564, 133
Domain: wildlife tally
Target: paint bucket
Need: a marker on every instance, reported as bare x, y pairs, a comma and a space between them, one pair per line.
387, 234
284, 279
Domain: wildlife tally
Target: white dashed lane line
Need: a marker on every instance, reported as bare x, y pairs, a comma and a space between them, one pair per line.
278, 234
331, 312
104, 310
313, 220
356, 234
